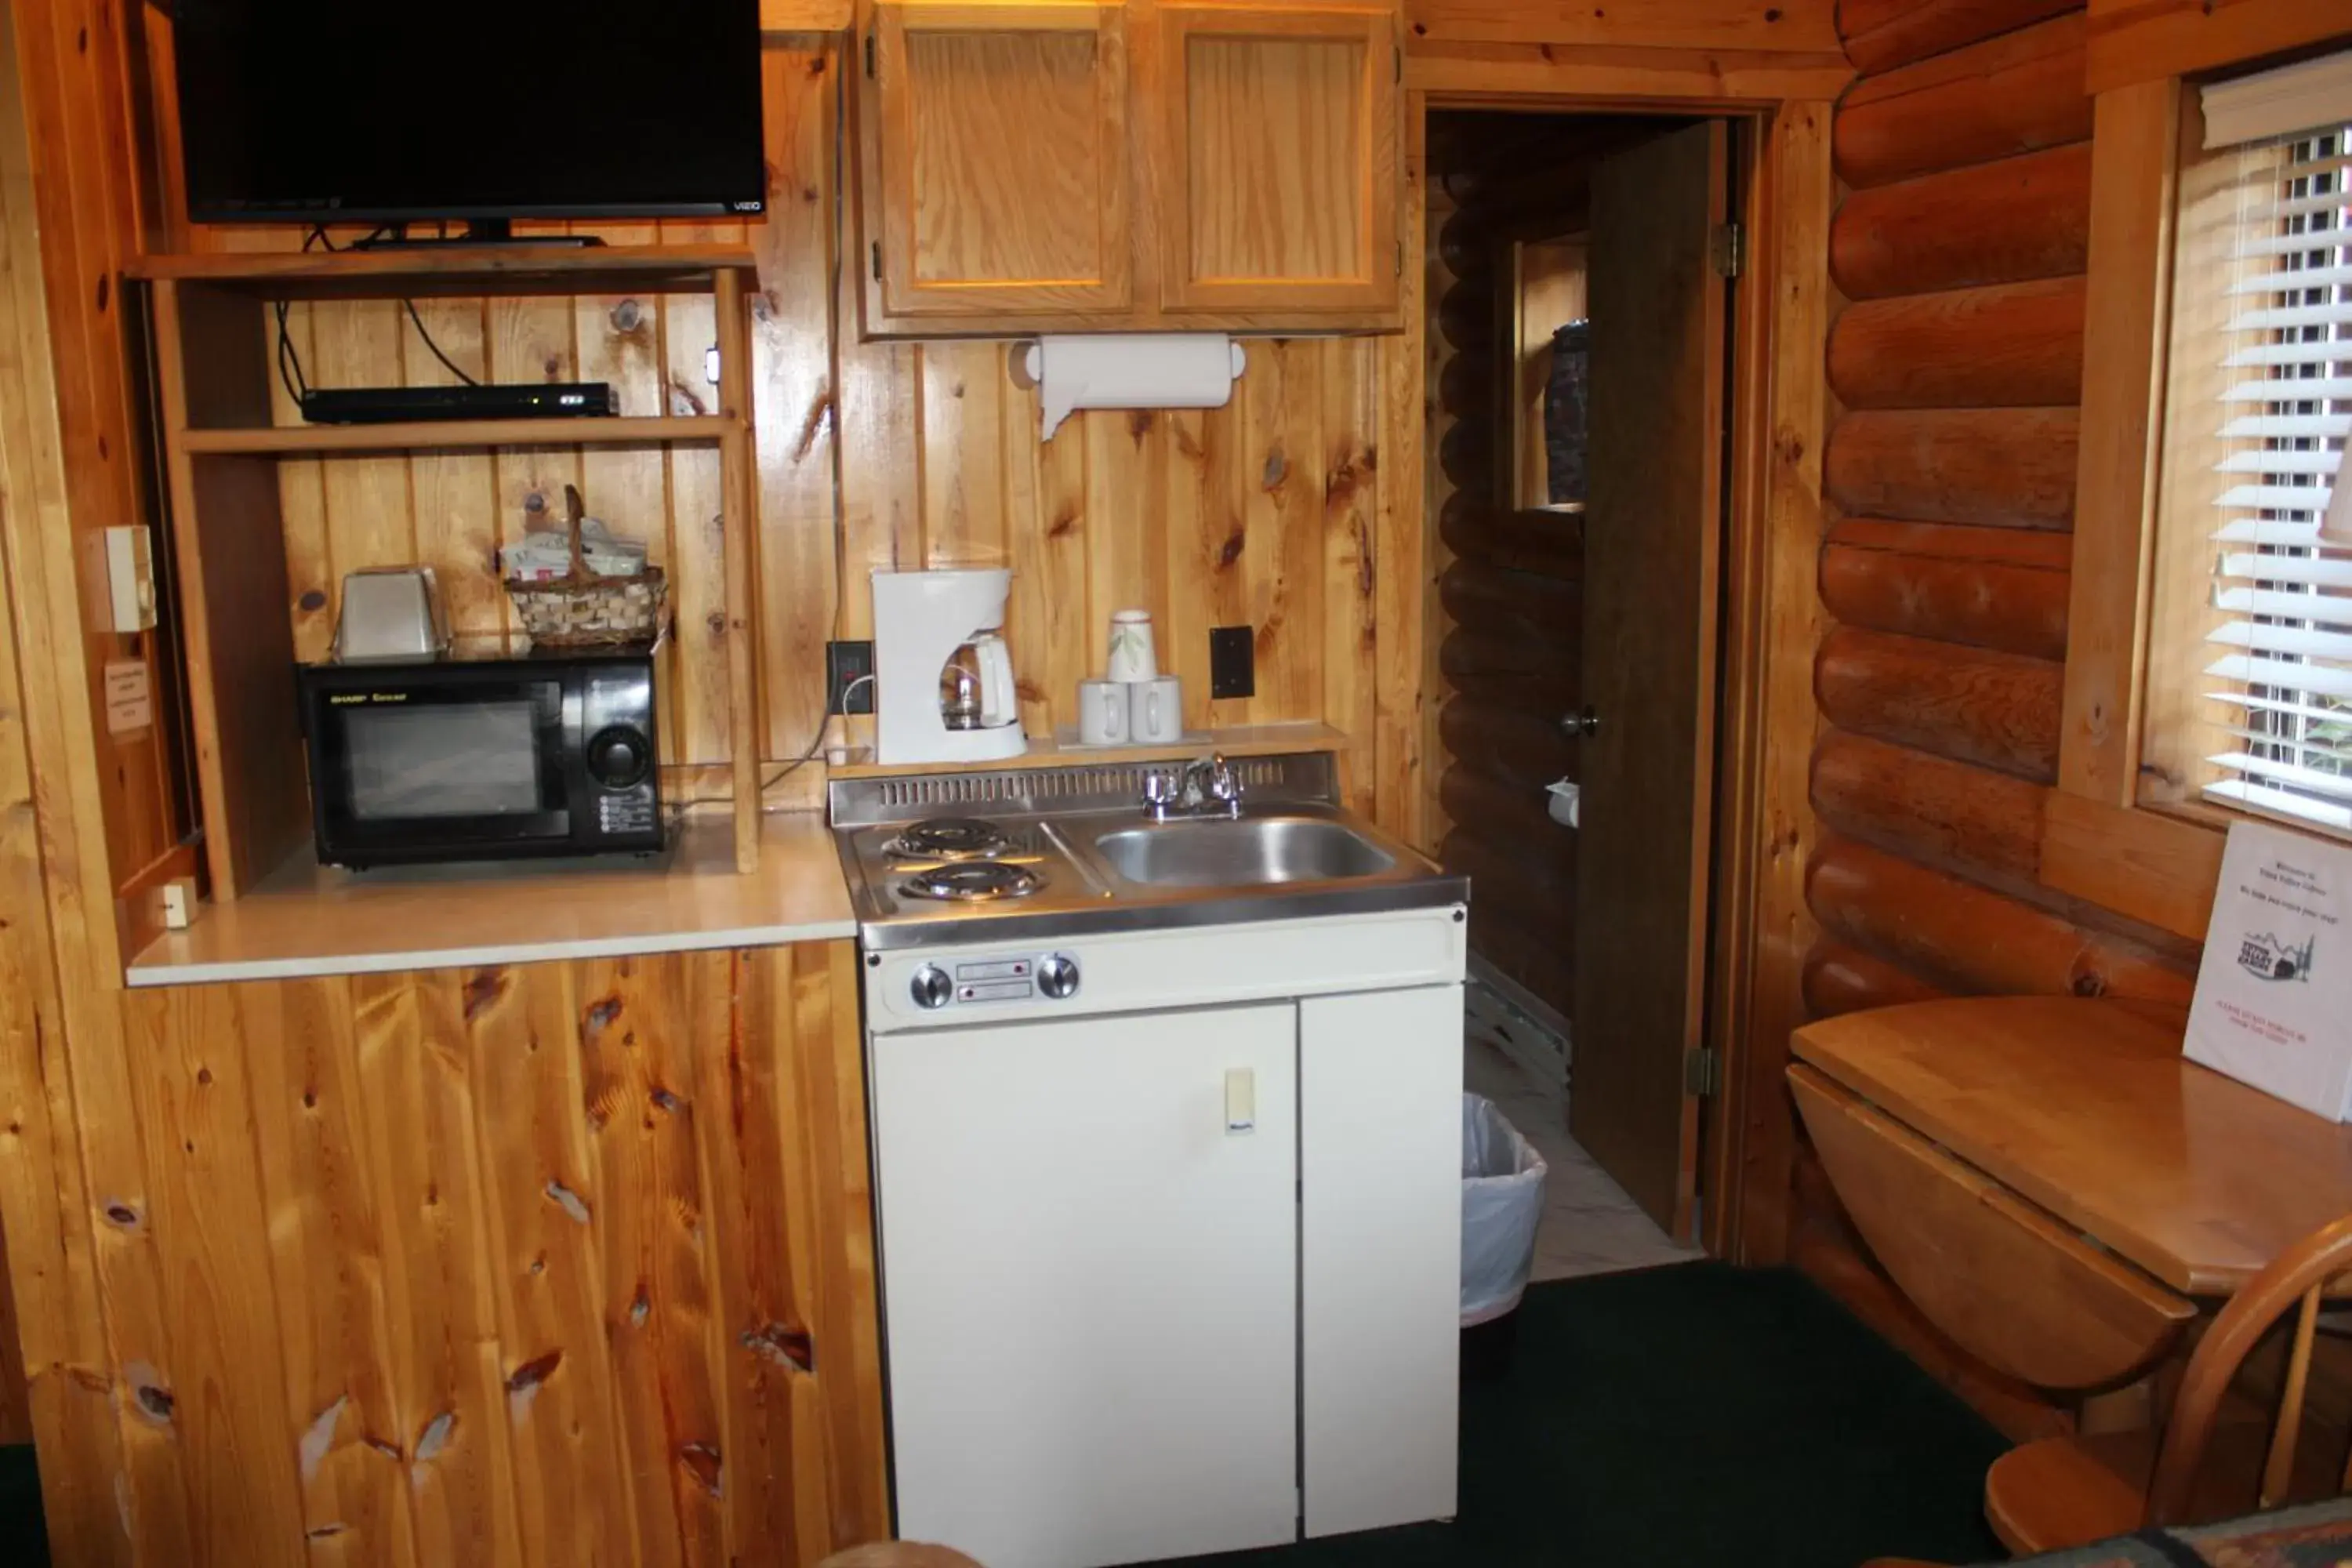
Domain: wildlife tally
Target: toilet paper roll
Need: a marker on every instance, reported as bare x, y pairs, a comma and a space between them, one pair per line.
1133, 369
1563, 802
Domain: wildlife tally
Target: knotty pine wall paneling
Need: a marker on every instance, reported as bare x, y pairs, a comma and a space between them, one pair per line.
1955, 364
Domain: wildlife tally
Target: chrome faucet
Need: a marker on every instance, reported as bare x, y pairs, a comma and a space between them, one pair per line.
1205, 786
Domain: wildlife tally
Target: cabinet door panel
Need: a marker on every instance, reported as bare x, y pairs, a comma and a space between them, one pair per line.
1279, 158
1003, 158
1379, 1161
1091, 1284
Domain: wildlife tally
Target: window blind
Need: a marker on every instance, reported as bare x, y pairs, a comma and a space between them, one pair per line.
2280, 740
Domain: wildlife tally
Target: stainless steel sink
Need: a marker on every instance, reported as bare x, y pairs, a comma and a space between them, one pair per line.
1254, 851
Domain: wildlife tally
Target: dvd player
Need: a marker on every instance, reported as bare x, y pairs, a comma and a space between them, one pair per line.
403, 404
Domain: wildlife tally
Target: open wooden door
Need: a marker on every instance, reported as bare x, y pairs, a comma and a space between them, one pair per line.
1651, 552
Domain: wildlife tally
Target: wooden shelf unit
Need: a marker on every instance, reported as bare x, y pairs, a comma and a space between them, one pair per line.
222, 448
326, 440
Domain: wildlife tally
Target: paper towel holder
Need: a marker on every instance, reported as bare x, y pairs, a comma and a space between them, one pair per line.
1125, 370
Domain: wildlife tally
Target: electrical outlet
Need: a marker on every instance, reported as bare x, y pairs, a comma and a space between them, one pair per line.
847, 663
1232, 662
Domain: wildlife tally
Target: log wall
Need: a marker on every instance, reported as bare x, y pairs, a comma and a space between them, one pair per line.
1955, 363
1510, 593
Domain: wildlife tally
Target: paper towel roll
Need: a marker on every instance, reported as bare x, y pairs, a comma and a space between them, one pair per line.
1133, 369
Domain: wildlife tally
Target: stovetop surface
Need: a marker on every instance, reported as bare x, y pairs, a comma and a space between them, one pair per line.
1049, 820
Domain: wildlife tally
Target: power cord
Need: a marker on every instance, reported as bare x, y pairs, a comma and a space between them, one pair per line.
290, 360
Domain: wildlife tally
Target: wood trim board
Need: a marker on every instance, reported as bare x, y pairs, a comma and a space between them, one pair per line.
2135, 41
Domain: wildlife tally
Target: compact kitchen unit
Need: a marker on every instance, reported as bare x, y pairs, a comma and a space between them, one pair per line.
1166, 1120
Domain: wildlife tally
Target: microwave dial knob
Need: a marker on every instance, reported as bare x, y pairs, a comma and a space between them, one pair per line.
932, 989
1057, 976
619, 757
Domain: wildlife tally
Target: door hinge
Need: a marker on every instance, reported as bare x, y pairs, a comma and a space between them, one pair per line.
1702, 1073
1726, 247
869, 57
877, 262
1400, 61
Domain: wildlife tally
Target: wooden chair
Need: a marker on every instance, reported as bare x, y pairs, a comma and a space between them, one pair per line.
899, 1555
2068, 1491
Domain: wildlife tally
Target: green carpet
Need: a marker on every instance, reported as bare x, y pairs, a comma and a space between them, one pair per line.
1674, 1418
1696, 1415
23, 1542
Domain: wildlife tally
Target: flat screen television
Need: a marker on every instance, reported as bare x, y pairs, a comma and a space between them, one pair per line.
481, 111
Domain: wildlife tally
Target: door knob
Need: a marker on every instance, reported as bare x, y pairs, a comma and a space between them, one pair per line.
1572, 725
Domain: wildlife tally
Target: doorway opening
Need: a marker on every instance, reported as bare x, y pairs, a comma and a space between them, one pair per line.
1579, 340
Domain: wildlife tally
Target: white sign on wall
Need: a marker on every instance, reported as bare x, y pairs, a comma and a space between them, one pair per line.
2274, 1004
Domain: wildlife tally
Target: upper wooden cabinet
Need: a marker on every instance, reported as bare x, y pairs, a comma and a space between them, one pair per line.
1279, 159
1003, 158
1074, 166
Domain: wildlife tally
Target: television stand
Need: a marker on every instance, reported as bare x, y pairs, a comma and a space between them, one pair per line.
478, 232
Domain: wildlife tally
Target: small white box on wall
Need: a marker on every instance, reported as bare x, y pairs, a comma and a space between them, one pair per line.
130, 578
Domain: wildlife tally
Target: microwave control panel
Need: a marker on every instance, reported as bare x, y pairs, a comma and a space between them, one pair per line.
617, 718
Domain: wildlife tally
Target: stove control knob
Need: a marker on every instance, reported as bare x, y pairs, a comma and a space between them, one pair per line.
932, 988
1057, 976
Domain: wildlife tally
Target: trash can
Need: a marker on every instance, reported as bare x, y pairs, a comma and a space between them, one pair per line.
1502, 1199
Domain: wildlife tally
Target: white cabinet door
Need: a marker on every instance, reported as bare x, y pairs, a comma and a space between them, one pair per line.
1381, 1256
1090, 1285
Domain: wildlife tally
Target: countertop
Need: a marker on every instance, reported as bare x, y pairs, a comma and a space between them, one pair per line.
2087, 1109
308, 920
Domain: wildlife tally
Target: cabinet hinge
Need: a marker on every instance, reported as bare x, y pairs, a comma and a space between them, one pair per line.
1702, 1074
869, 57
1400, 258
1726, 247
1400, 60
877, 262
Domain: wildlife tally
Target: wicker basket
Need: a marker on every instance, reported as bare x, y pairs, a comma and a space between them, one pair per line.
581, 609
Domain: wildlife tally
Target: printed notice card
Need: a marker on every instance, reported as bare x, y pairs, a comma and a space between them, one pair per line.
2274, 1003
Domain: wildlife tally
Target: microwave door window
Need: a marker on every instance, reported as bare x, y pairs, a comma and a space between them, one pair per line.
456, 760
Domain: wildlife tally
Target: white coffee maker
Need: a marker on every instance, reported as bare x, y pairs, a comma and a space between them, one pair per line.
943, 677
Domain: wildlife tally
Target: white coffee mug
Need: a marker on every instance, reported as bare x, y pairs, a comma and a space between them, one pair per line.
1132, 656
1103, 712
1156, 711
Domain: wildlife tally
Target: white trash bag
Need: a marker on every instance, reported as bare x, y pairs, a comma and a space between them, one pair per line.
1502, 1199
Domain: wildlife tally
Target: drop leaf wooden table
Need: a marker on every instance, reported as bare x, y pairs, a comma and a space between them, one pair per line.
2050, 1182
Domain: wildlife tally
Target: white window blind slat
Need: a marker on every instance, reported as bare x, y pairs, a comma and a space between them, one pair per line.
2294, 281
2274, 705
2291, 353
2314, 461
2275, 498
2274, 532
2252, 796
2286, 427
2292, 639
2316, 571
2317, 243
2331, 786
2319, 609
2326, 201
2283, 675
2270, 317
2307, 389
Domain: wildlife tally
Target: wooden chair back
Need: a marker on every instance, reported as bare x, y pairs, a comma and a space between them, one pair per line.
2297, 1279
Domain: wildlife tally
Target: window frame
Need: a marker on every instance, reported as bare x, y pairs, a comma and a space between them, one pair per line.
2155, 862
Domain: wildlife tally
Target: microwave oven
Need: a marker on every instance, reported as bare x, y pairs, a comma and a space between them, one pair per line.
480, 759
